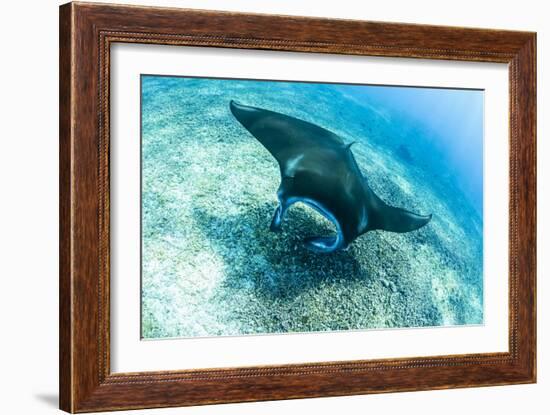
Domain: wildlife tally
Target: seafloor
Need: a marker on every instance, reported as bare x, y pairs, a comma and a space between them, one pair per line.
210, 264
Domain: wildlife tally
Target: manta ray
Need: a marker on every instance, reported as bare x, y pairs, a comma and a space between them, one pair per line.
318, 169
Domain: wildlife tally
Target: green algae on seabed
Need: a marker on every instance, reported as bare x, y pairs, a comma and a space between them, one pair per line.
210, 265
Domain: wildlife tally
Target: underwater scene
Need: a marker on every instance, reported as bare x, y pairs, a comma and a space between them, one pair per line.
284, 207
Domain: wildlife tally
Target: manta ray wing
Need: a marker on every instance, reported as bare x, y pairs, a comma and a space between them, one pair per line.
288, 139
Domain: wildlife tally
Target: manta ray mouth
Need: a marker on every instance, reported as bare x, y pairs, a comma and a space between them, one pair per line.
321, 244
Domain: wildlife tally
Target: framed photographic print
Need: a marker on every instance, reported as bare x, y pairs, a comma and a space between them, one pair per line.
260, 207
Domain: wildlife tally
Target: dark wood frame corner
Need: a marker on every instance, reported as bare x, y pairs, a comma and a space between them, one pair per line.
86, 33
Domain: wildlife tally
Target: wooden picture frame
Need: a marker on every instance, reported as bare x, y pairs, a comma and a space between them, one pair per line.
86, 33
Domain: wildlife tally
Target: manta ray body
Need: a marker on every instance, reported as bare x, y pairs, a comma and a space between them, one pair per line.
318, 168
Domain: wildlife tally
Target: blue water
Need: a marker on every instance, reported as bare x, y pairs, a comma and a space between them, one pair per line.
210, 265
450, 124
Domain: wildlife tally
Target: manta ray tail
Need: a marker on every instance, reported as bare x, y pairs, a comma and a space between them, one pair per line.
394, 219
